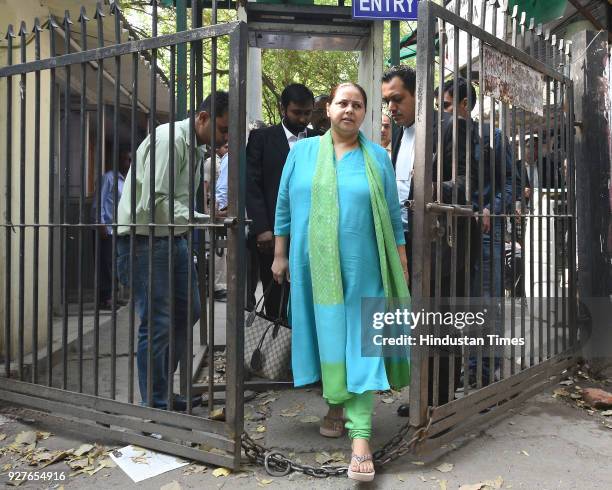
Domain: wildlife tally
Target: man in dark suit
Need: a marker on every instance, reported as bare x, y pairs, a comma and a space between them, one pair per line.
398, 90
267, 151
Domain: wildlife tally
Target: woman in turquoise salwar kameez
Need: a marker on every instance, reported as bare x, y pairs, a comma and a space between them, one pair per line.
338, 203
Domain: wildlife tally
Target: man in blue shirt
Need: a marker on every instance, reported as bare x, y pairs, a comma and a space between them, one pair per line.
107, 207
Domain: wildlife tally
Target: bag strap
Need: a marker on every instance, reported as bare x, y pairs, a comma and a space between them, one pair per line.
259, 304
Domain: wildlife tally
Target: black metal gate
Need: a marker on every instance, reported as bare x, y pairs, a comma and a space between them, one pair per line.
77, 92
519, 268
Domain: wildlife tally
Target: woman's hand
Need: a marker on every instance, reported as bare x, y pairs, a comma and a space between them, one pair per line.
280, 269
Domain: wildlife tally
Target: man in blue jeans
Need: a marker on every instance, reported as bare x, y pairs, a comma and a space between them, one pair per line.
492, 206
161, 302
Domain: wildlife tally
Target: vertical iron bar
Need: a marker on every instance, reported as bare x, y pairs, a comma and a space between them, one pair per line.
523, 203
23, 98
171, 282
493, 193
435, 374
66, 198
84, 160
514, 217
468, 193
36, 244
213, 212
552, 284
50, 247
422, 195
100, 108
235, 237
132, 174
532, 222
116, 12
571, 199
8, 200
152, 228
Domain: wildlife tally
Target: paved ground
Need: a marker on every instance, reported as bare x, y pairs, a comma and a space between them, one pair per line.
545, 444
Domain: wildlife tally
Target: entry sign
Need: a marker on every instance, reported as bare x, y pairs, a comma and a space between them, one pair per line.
385, 9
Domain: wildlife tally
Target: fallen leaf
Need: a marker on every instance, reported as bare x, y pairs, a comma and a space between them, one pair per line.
310, 419
2, 437
43, 435
83, 449
605, 413
575, 396
263, 481
57, 456
445, 467
423, 478
221, 472
269, 400
567, 382
337, 456
15, 483
217, 414
173, 485
525, 452
322, 457
442, 484
260, 428
418, 463
401, 478
26, 438
257, 437
387, 399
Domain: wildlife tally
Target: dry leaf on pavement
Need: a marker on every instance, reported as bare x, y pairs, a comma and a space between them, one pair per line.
387, 399
83, 449
26, 438
442, 484
445, 467
221, 472
257, 437
524, 452
605, 413
260, 428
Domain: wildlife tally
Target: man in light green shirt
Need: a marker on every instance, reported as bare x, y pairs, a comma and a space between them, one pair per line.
161, 302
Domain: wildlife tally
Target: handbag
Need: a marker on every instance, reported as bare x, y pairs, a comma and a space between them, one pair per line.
267, 341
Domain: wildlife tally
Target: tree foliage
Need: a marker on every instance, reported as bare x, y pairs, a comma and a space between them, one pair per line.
318, 70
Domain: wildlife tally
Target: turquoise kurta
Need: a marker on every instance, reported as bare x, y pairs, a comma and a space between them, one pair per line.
315, 347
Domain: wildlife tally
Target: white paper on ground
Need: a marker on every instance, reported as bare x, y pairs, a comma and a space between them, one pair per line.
148, 464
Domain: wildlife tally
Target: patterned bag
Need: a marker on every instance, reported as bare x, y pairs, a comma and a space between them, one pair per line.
267, 342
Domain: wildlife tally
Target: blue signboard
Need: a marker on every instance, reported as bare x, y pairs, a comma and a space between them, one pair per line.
385, 9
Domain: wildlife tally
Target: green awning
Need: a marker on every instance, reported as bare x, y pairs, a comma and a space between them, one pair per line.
542, 11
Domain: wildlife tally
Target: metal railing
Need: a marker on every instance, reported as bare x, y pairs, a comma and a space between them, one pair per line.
67, 115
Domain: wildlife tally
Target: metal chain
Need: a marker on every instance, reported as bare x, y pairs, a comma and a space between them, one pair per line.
276, 464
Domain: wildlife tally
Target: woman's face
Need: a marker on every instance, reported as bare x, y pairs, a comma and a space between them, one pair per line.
346, 110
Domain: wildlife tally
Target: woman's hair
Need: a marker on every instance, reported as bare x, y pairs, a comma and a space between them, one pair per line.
332, 94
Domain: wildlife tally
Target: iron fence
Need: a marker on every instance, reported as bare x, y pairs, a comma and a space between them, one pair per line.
71, 103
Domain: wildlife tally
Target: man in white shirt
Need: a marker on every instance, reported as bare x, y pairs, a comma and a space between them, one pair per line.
267, 151
398, 87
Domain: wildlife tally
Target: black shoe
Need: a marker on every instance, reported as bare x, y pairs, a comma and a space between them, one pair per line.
403, 410
180, 404
220, 295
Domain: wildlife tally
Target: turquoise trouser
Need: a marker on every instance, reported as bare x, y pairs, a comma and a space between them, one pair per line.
358, 412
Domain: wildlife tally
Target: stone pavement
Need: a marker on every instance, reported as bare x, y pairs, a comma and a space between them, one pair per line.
547, 443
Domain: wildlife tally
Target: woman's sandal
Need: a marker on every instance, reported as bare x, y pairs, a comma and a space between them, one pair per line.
332, 427
360, 475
